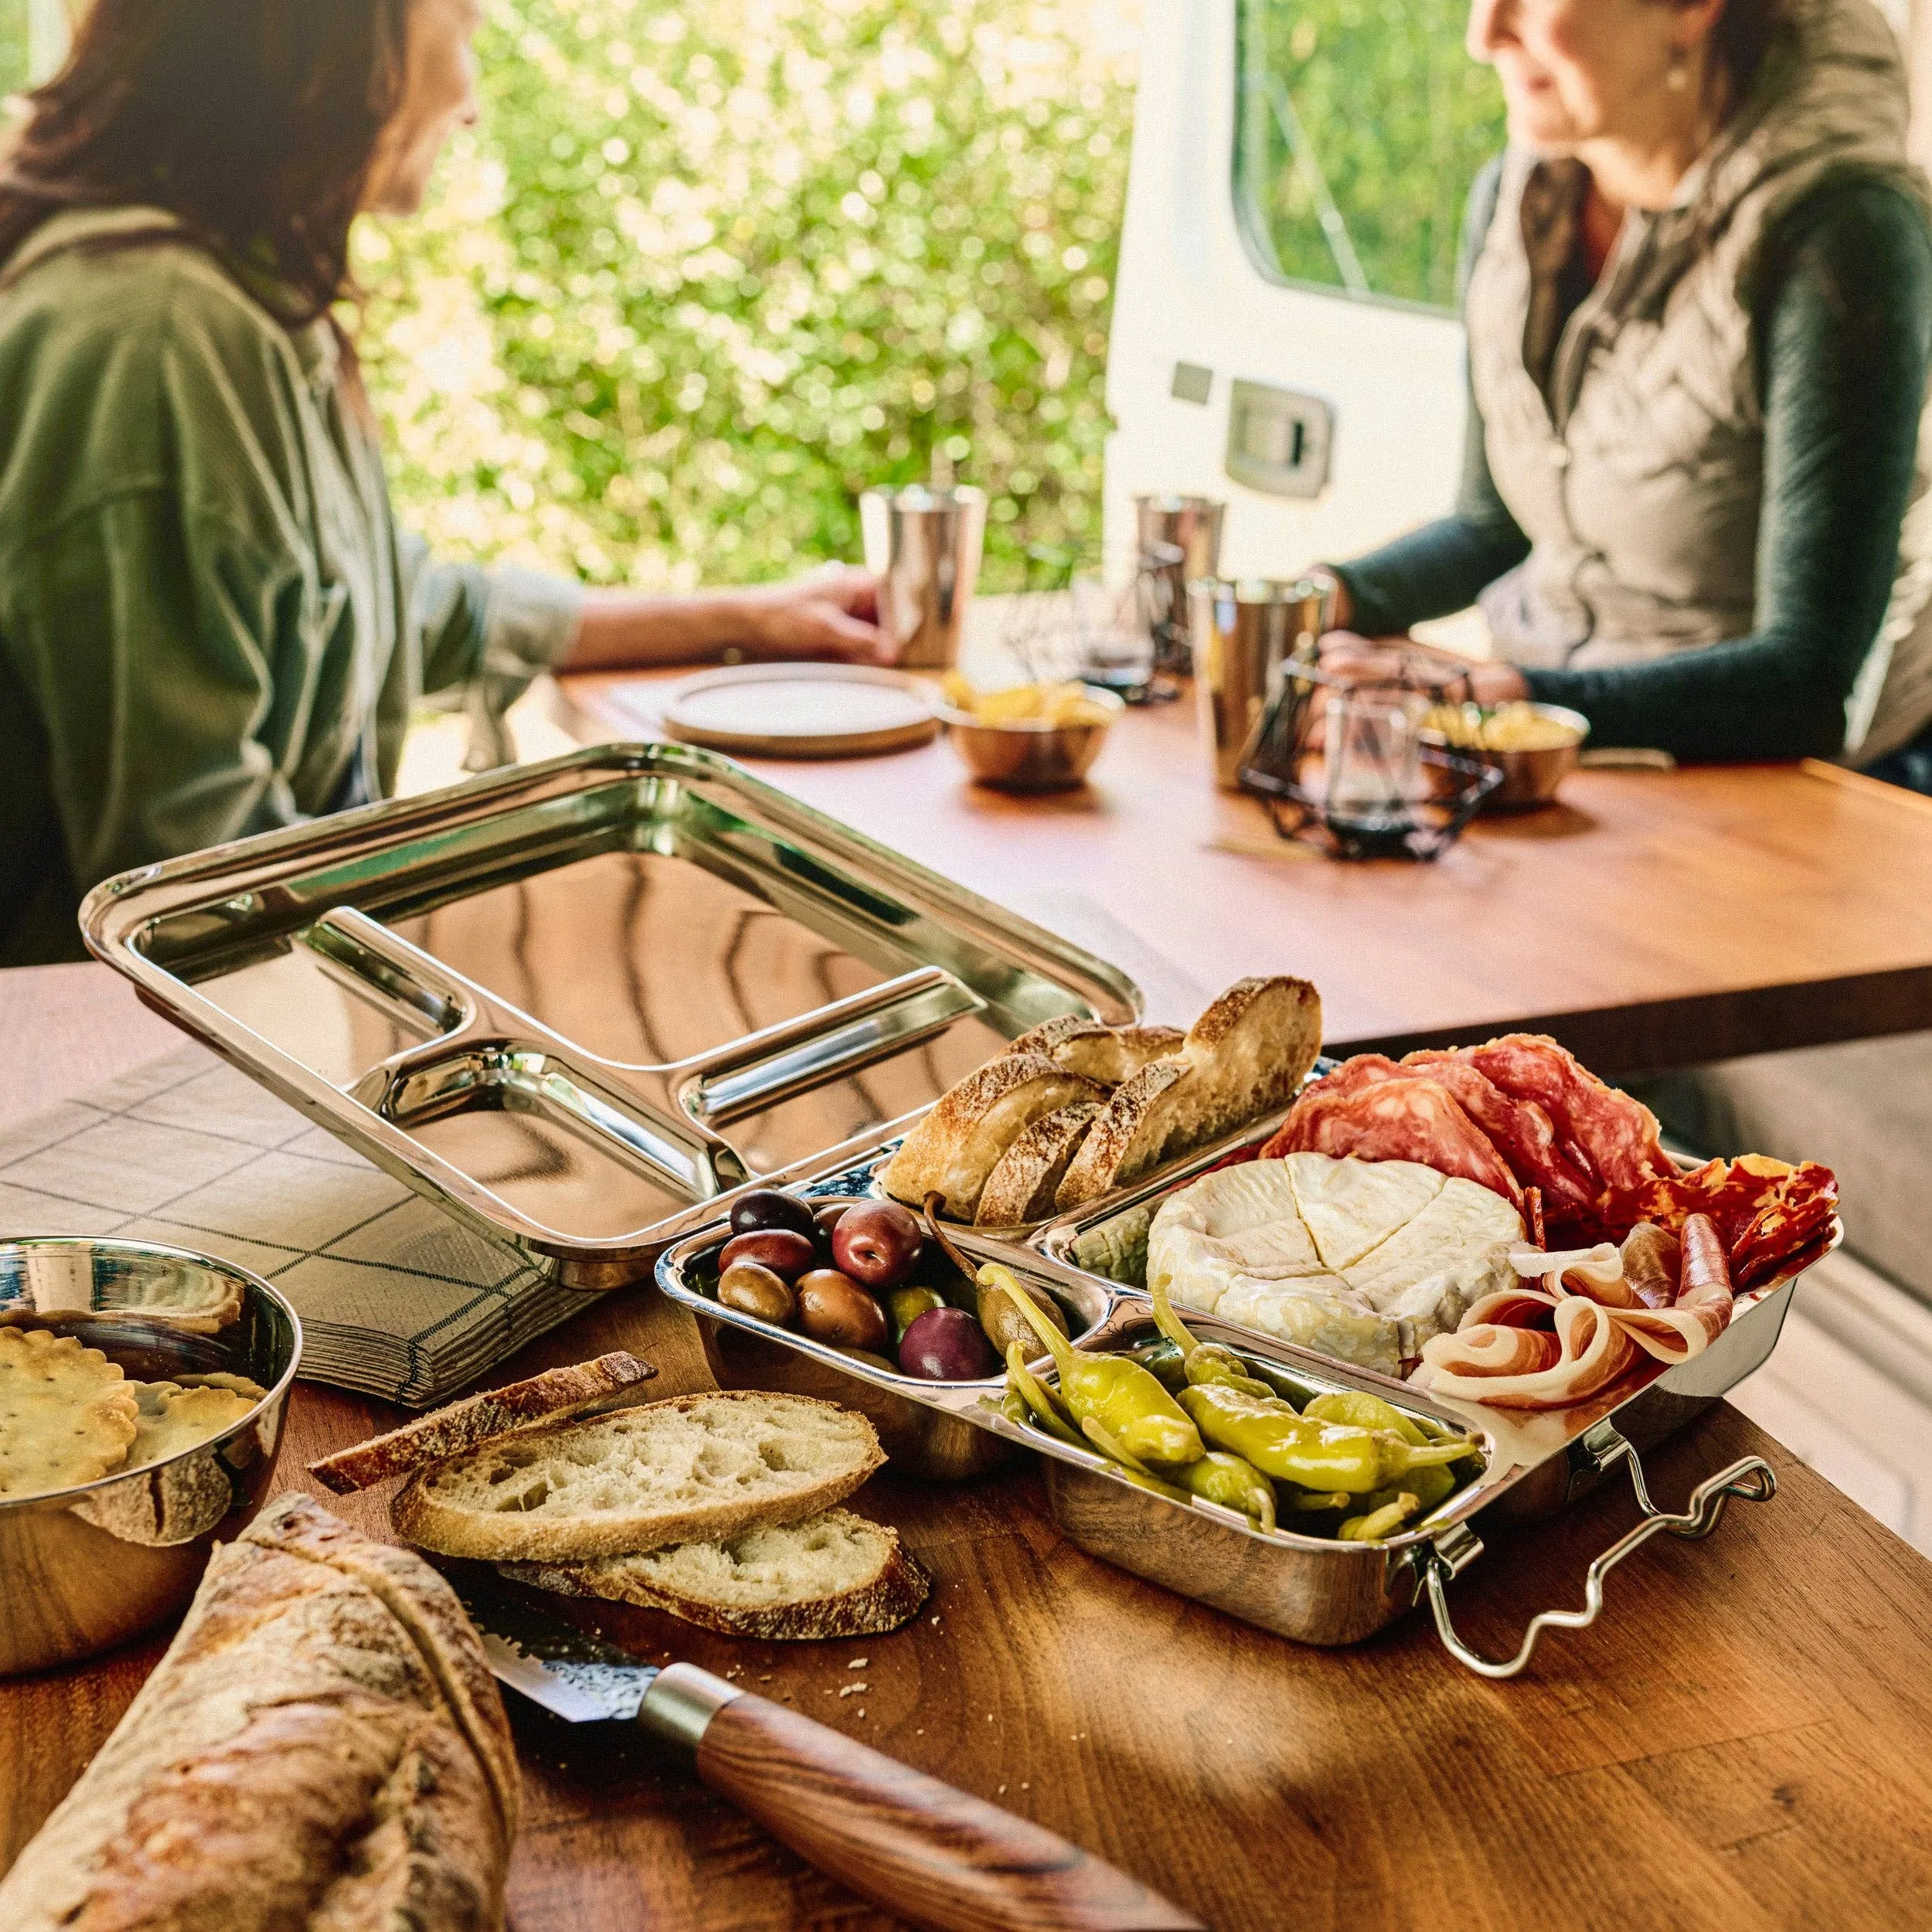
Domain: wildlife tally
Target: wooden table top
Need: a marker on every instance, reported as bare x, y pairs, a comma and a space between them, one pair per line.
1739, 1742
1650, 921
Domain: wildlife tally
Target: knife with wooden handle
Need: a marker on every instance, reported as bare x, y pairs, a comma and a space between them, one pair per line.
911, 1843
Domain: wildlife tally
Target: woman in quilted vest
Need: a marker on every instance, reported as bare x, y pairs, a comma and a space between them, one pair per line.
1697, 289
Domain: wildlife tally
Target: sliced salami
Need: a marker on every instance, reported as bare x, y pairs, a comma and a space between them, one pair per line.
1616, 1135
1522, 1130
1406, 1118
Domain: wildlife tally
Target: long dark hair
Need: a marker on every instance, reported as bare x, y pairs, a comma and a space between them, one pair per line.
1745, 32
252, 120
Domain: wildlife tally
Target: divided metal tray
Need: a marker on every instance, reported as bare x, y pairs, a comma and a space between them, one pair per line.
1311, 1589
579, 1004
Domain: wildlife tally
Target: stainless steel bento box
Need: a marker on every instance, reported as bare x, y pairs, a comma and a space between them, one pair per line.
84, 1568
1314, 1589
578, 1005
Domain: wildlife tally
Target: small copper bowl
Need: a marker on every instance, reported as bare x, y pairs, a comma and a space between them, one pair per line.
1029, 754
1530, 777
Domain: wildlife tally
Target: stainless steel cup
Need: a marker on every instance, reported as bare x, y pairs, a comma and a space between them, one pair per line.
924, 545
1179, 541
1243, 633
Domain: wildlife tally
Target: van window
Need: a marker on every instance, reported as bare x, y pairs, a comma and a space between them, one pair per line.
1360, 125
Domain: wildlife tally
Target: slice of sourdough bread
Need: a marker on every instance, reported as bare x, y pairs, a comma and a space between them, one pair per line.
954, 1149
698, 1468
832, 1575
1025, 1179
1243, 1059
548, 1397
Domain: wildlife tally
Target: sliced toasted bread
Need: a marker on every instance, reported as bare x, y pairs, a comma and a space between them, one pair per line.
696, 1468
1243, 1058
832, 1575
1132, 1134
1108, 1055
954, 1150
1255, 1045
549, 1397
1023, 1182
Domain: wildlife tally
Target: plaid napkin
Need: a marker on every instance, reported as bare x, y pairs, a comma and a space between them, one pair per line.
397, 1300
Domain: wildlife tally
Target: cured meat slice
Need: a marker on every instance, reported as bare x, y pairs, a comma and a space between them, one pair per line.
1593, 1320
1521, 1129
1766, 1212
1702, 1309
1397, 1120
1616, 1135
1489, 1363
1652, 1264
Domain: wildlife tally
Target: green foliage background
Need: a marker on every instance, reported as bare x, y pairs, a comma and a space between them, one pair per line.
13, 46
704, 271
700, 275
1400, 120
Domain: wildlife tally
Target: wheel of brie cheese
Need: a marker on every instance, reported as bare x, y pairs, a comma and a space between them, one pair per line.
1362, 1260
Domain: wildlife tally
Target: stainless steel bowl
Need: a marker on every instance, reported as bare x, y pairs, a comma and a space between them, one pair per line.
1029, 755
1530, 778
88, 1567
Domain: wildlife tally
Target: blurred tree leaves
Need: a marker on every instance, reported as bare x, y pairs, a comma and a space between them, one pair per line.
1399, 120
701, 274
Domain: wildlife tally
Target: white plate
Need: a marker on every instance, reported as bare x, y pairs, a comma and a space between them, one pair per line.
801, 710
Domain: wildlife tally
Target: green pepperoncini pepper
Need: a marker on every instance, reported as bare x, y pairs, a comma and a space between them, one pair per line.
1120, 1395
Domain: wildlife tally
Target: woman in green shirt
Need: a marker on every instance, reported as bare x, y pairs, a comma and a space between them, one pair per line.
1698, 290
209, 623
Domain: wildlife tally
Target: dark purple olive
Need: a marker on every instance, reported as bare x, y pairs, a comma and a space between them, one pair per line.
947, 1345
752, 1290
782, 1250
766, 1207
829, 1217
833, 1308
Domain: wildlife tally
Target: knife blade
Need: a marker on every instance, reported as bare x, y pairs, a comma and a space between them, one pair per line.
911, 1843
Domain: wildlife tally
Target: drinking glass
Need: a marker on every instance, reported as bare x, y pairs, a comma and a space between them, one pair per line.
1372, 746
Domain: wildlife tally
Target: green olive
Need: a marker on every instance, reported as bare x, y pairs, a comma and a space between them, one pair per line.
753, 1289
1004, 1324
904, 1306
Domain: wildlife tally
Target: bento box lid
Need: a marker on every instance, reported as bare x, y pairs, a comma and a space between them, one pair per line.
579, 1004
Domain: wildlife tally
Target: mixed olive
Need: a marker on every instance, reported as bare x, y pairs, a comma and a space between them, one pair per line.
862, 1277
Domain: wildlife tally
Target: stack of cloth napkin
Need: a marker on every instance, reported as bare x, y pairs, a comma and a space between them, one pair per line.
395, 1298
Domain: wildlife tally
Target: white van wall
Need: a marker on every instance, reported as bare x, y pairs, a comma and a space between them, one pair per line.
1188, 292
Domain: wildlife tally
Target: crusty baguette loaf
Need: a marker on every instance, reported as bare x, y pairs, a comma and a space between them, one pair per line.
549, 1397
1243, 1058
1025, 1178
696, 1468
321, 1746
1107, 1055
833, 1575
953, 1150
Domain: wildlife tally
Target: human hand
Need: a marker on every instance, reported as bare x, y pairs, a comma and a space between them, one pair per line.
1353, 659
832, 613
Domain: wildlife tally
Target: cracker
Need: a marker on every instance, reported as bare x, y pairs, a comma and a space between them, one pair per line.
172, 1418
67, 1414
